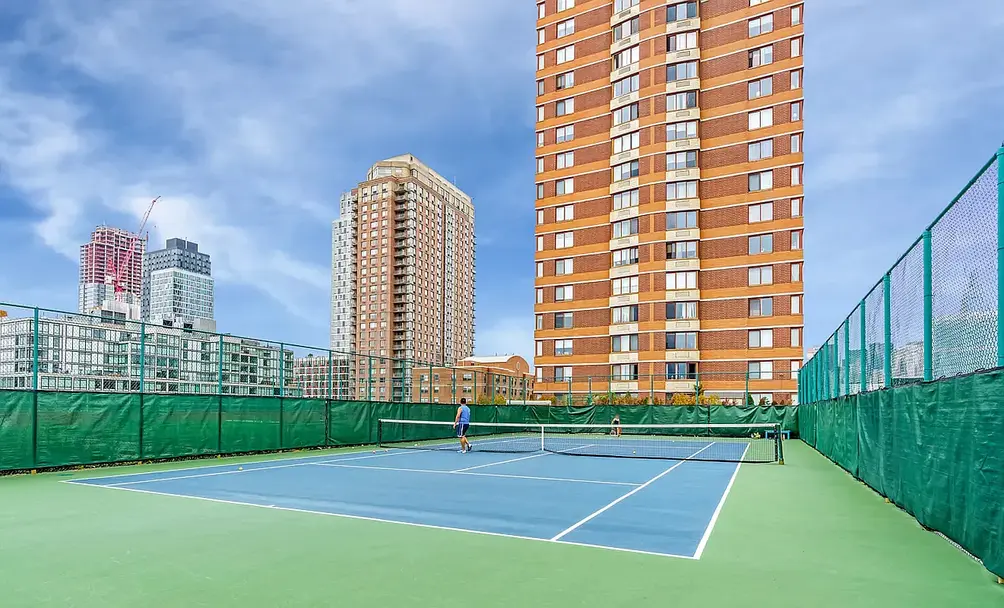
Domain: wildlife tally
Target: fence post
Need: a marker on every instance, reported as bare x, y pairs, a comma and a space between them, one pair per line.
589, 388
847, 355
369, 380
928, 310
142, 356
453, 383
34, 352
1000, 256
746, 396
282, 371
864, 348
887, 301
651, 389
219, 371
331, 374
569, 391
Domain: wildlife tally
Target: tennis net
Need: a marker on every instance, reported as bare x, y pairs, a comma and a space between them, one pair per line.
710, 442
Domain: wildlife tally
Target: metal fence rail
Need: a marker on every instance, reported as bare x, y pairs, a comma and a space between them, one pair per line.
934, 314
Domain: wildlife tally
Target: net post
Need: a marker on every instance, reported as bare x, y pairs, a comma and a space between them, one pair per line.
379, 433
542, 438
928, 310
1000, 256
779, 445
864, 348
887, 301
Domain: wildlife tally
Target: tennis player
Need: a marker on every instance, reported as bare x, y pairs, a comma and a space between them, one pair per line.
616, 424
461, 423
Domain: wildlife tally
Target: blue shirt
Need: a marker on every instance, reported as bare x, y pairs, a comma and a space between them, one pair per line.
465, 414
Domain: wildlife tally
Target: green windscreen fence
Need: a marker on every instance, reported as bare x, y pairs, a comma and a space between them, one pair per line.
935, 449
54, 429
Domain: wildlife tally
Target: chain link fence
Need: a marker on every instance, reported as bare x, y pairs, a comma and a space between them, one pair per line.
933, 315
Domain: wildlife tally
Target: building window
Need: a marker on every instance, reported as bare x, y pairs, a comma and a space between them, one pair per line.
761, 25
760, 119
761, 275
681, 310
540, 296
563, 267
540, 11
626, 228
540, 36
625, 314
564, 107
563, 240
681, 42
796, 240
761, 56
540, 62
796, 111
626, 29
565, 81
763, 212
796, 305
625, 286
760, 150
624, 344
761, 243
621, 5
681, 340
761, 338
681, 280
540, 88
796, 79
626, 85
566, 54
564, 186
565, 160
625, 257
563, 374
761, 370
540, 165
681, 250
681, 190
540, 265
796, 15
540, 138
762, 180
566, 28
539, 321
796, 336
681, 71
563, 134
626, 57
681, 130
681, 101
540, 243
540, 191
562, 320
761, 87
796, 47
681, 160
629, 141
625, 372
565, 4
796, 176
564, 213
626, 114
624, 200
681, 220
562, 348
539, 348
626, 171
681, 11
681, 371
761, 307
540, 217
796, 143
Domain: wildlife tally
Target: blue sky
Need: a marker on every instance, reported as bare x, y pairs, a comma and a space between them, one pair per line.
251, 118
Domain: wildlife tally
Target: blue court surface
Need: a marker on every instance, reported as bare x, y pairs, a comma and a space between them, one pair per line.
660, 507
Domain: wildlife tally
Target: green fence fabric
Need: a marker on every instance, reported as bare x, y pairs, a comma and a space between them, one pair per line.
935, 449
250, 424
87, 428
16, 429
303, 422
182, 425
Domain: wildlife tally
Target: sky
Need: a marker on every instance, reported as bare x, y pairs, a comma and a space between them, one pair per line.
250, 119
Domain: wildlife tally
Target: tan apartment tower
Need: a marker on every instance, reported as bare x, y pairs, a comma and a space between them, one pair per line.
669, 197
402, 276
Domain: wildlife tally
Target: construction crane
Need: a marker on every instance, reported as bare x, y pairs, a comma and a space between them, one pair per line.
117, 273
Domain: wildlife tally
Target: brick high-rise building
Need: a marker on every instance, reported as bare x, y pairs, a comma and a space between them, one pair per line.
402, 275
105, 252
669, 197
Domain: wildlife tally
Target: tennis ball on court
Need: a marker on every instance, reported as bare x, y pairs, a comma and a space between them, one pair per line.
634, 452
240, 468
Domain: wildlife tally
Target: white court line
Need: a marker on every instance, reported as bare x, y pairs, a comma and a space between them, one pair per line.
603, 509
388, 521
228, 472
718, 509
492, 464
206, 464
500, 475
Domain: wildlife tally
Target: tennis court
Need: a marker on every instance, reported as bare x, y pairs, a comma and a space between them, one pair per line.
667, 508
